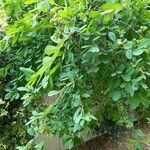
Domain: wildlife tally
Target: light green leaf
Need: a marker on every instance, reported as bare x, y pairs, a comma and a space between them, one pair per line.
129, 54
76, 127
138, 52
92, 117
144, 86
30, 1
52, 93
27, 71
129, 45
45, 81
87, 118
50, 49
94, 14
94, 49
116, 95
126, 78
112, 36
76, 100
86, 95
40, 145
3, 45
121, 67
139, 78
139, 133
144, 43
23, 89
2, 102
147, 73
114, 74
112, 6
77, 115
130, 70
51, 1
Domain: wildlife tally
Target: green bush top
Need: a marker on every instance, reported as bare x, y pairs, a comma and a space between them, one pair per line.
93, 54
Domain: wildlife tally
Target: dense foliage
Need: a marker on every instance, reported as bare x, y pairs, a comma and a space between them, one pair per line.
93, 54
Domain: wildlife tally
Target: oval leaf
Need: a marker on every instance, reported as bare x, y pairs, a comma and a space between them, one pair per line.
138, 52
112, 36
52, 93
116, 95
129, 54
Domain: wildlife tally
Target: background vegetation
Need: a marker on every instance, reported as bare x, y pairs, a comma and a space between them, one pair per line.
93, 54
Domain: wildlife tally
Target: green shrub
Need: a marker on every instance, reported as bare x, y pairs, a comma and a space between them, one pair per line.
94, 55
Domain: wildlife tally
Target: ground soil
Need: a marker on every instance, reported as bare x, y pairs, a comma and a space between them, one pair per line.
105, 142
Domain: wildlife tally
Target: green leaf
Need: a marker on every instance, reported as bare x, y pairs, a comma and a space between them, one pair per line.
77, 115
3, 45
144, 43
82, 123
94, 49
130, 70
76, 127
2, 102
76, 100
129, 45
126, 78
45, 81
27, 71
108, 15
2, 72
116, 95
129, 89
92, 117
129, 54
135, 102
138, 52
145, 102
86, 95
30, 1
21, 148
114, 74
87, 117
121, 67
43, 6
51, 1
23, 89
94, 14
139, 133
50, 49
144, 86
147, 73
112, 6
112, 36
69, 143
40, 145
52, 93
